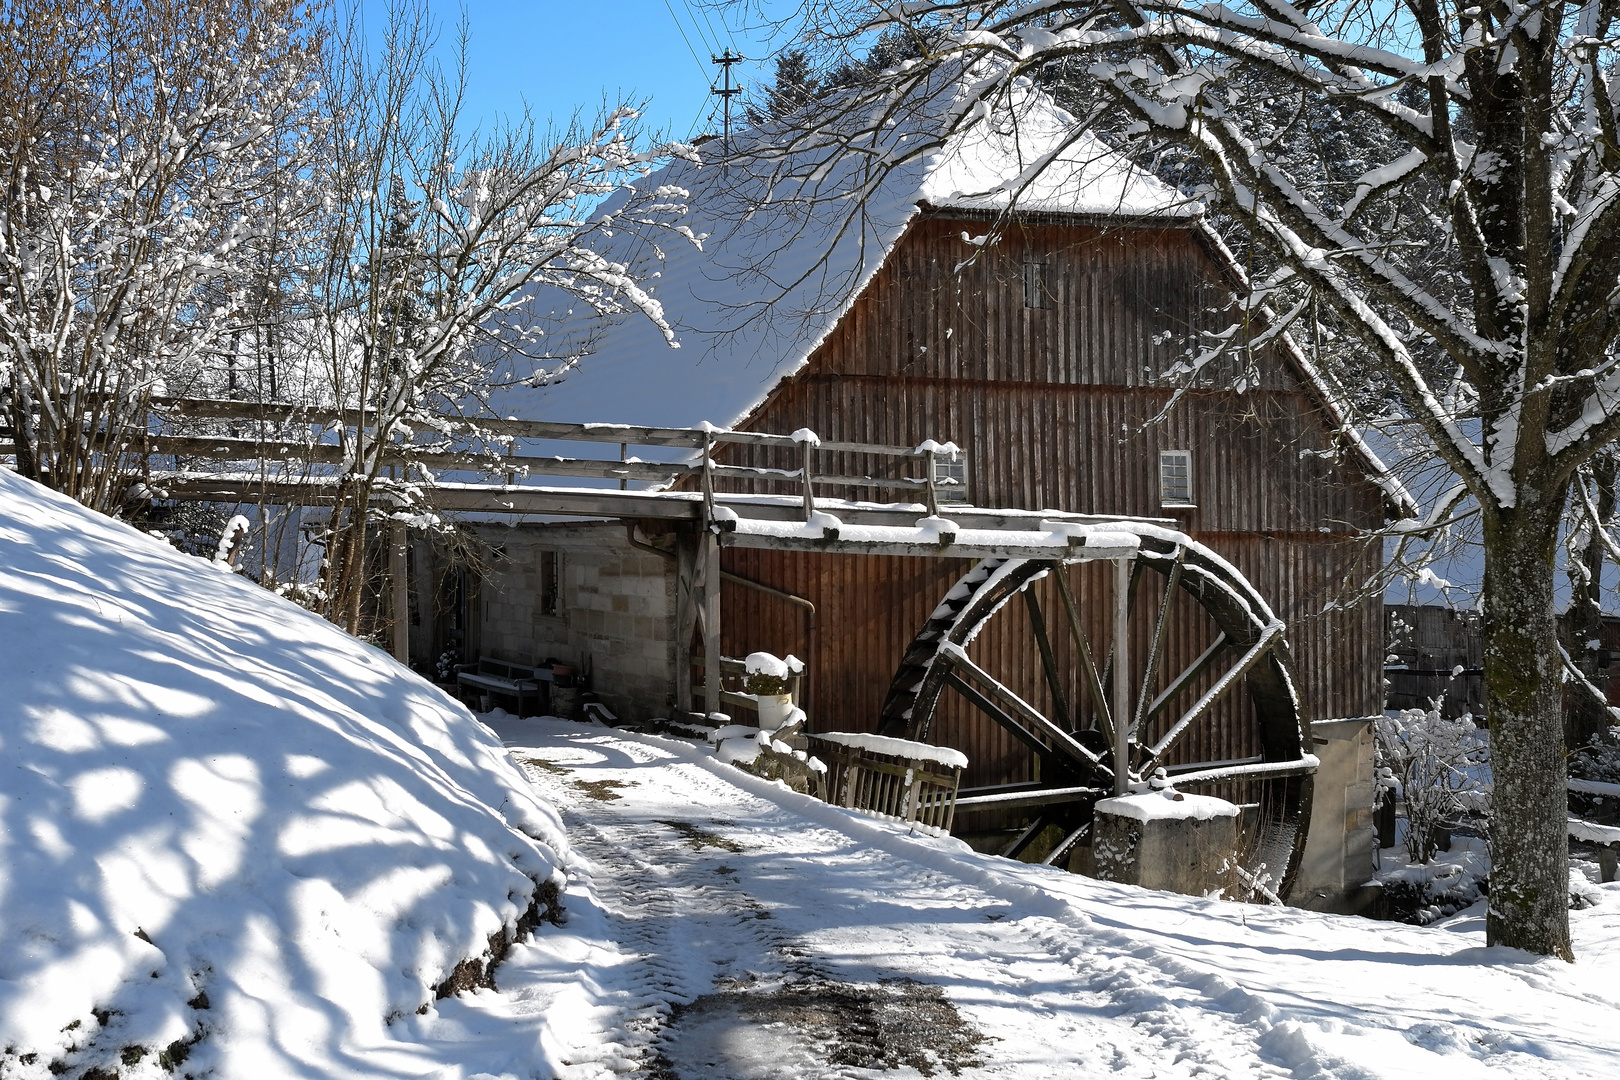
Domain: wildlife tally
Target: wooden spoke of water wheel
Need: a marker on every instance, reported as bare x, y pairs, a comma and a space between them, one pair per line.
1171, 661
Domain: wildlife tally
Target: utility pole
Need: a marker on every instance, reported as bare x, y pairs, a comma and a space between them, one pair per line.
725, 90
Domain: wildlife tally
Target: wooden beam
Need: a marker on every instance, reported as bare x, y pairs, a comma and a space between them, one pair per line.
1268, 637
685, 621
233, 449
1088, 666
1159, 628
1031, 832
1008, 549
709, 555
635, 434
1021, 800
1121, 663
1037, 622
1000, 716
1195, 669
492, 498
1015, 706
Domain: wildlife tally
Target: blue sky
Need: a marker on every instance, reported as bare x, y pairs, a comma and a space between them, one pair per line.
564, 56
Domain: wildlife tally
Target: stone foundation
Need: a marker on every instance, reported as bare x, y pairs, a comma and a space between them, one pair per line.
1166, 840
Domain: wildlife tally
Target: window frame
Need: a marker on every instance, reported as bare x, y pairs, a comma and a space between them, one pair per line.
948, 468
1169, 460
1035, 275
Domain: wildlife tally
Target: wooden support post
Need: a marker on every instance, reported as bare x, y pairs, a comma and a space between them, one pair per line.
808, 477
709, 556
1122, 663
400, 586
685, 621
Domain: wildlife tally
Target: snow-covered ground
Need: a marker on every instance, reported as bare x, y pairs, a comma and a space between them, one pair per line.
719, 926
234, 841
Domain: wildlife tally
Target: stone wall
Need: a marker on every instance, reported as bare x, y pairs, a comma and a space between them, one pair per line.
615, 612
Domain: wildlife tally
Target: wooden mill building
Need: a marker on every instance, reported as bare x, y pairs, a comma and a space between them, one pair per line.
1041, 331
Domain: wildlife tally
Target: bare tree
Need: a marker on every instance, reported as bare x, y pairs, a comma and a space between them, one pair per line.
1472, 257
153, 151
438, 242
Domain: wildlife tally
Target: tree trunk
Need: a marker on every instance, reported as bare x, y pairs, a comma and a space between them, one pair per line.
1529, 902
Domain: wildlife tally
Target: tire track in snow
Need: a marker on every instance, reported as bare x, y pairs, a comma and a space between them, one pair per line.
1137, 1010
654, 891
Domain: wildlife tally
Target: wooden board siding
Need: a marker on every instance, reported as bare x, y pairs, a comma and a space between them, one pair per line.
1088, 449
1060, 407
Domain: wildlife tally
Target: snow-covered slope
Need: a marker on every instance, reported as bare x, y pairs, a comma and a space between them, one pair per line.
788, 244
228, 831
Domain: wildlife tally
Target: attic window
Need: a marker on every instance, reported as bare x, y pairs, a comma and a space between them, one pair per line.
950, 479
1175, 478
1036, 292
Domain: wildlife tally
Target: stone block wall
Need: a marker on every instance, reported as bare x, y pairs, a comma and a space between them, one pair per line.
615, 612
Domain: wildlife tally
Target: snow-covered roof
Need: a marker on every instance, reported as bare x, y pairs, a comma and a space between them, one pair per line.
788, 244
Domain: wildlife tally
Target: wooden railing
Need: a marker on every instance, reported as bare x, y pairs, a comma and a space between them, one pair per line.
910, 789
447, 443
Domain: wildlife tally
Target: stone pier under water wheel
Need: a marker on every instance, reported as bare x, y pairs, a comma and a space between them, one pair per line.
1162, 657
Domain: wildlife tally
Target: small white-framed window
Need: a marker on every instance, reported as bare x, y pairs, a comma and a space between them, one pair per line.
1036, 292
950, 478
1175, 478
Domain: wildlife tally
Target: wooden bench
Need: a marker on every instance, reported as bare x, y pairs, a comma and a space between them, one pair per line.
492, 676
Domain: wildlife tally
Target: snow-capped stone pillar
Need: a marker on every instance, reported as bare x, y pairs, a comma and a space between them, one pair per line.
1166, 840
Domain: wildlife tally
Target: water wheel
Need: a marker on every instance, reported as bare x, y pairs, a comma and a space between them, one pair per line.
1192, 658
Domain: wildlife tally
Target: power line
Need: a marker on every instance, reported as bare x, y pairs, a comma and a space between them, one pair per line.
696, 59
703, 110
703, 9
697, 27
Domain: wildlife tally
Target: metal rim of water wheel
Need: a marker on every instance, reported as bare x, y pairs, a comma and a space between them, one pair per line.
1077, 746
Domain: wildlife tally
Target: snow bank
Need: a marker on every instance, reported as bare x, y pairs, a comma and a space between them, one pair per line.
228, 831
901, 748
1166, 805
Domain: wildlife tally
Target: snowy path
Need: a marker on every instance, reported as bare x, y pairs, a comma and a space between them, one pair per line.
696, 883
